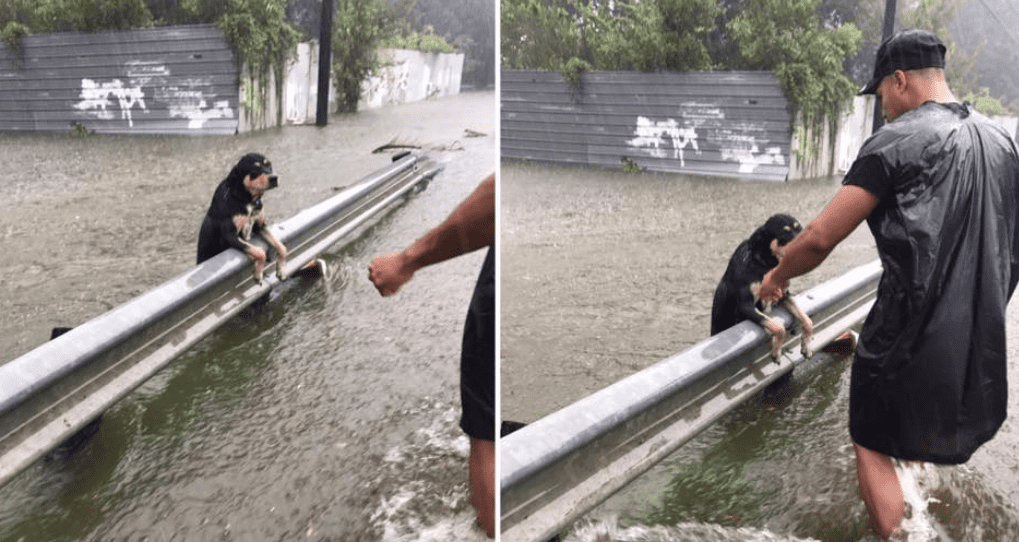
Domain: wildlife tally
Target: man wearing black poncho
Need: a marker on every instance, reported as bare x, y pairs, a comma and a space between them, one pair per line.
939, 188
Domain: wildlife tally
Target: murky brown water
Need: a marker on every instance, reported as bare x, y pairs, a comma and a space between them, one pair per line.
606, 273
331, 415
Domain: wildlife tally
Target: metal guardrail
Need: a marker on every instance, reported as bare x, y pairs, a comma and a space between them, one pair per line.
561, 466
51, 392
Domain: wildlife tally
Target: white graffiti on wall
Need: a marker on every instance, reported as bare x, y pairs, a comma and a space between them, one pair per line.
744, 149
96, 97
389, 86
661, 137
186, 98
189, 101
654, 135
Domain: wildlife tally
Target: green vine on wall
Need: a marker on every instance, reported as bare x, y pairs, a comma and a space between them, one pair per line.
12, 34
359, 28
573, 73
261, 38
426, 41
806, 56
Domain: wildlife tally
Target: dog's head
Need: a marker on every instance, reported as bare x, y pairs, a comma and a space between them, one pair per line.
780, 227
254, 173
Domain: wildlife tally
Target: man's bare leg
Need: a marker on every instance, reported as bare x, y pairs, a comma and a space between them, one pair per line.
482, 476
880, 489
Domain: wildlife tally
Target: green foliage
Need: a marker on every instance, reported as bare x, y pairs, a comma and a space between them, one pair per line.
79, 130
358, 29
983, 102
960, 68
426, 42
257, 32
97, 15
630, 166
646, 36
12, 34
41, 16
538, 35
687, 26
806, 57
573, 72
470, 26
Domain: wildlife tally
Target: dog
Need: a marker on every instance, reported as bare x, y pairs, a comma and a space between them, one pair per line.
736, 297
235, 215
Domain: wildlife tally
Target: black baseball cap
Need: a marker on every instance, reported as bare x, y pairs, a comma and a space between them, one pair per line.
906, 50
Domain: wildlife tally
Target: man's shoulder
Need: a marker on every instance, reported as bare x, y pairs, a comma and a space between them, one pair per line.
923, 126
899, 136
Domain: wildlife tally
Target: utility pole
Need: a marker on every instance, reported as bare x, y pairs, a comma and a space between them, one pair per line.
325, 57
886, 32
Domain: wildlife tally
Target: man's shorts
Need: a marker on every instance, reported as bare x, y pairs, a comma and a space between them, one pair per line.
477, 357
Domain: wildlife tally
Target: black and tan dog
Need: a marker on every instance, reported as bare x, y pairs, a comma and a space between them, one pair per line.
235, 215
736, 297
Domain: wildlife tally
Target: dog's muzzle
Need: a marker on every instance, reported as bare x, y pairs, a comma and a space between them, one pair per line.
273, 181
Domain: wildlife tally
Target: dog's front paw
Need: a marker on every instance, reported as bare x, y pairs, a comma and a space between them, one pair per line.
777, 331
259, 266
808, 334
805, 349
281, 272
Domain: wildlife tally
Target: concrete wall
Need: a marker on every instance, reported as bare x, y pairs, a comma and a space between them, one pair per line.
836, 154
258, 107
832, 154
406, 76
412, 76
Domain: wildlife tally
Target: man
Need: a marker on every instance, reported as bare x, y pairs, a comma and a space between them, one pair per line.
470, 227
939, 187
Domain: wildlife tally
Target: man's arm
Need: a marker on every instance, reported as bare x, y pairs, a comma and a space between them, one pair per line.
846, 210
469, 227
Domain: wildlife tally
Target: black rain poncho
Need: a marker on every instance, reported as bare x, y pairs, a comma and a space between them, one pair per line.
929, 379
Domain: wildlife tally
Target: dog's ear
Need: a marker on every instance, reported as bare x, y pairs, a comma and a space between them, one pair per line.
760, 240
249, 164
784, 227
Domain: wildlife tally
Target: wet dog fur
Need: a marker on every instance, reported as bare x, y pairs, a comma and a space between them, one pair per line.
235, 215
736, 297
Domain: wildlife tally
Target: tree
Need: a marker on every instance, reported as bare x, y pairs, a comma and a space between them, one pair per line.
868, 16
467, 24
358, 27
620, 35
789, 38
538, 34
935, 15
40, 16
648, 36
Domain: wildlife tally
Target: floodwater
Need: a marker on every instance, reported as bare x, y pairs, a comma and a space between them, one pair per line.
605, 273
332, 414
